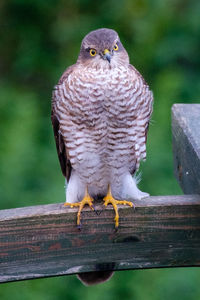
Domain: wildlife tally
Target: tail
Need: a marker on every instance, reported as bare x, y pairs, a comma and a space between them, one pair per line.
91, 278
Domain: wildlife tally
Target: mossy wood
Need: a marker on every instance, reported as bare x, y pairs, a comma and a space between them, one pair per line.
42, 241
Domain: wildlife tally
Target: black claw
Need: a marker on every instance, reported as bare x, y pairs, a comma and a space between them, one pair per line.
95, 210
98, 212
79, 227
116, 229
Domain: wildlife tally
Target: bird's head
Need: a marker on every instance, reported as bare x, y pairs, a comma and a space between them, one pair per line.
102, 49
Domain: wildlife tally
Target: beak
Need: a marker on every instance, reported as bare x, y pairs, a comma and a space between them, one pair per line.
107, 55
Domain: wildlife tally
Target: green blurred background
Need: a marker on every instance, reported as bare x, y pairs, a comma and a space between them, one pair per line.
39, 39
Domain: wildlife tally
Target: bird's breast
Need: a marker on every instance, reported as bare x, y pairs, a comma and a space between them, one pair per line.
108, 94
99, 110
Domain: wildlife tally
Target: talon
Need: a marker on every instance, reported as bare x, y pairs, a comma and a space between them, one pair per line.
110, 200
92, 207
86, 200
79, 227
98, 212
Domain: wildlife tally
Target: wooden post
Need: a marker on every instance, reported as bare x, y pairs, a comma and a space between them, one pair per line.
42, 241
186, 146
162, 231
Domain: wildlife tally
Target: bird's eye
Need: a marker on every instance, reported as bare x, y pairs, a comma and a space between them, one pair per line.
93, 52
115, 47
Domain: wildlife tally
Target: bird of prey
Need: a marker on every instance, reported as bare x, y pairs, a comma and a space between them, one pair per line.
101, 109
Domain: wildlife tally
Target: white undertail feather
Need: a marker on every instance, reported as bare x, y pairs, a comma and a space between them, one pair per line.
127, 190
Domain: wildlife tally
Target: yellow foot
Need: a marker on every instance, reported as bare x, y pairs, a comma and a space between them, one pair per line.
110, 200
86, 200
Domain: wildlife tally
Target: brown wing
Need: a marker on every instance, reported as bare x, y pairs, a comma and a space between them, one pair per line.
144, 114
60, 145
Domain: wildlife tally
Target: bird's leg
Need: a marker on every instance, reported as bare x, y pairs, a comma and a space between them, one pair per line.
86, 200
108, 199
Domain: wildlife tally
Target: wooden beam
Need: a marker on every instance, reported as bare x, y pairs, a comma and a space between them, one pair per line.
186, 146
42, 241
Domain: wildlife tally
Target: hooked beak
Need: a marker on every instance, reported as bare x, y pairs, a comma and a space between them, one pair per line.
107, 55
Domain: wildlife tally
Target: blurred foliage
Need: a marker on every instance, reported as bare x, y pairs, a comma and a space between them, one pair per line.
39, 39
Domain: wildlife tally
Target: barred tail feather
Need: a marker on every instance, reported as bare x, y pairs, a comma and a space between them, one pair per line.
91, 278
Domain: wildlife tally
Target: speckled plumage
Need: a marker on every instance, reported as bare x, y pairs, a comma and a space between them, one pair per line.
100, 113
103, 112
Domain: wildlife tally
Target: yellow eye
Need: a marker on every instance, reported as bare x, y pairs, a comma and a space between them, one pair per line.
115, 47
93, 52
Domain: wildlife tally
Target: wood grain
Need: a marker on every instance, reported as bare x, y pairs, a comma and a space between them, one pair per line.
44, 241
186, 146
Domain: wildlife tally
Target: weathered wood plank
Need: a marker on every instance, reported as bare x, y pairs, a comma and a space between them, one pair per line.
186, 146
44, 241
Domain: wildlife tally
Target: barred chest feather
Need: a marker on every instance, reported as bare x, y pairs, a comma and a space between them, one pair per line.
103, 116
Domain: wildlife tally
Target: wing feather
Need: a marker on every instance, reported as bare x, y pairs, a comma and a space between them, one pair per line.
60, 145
144, 114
